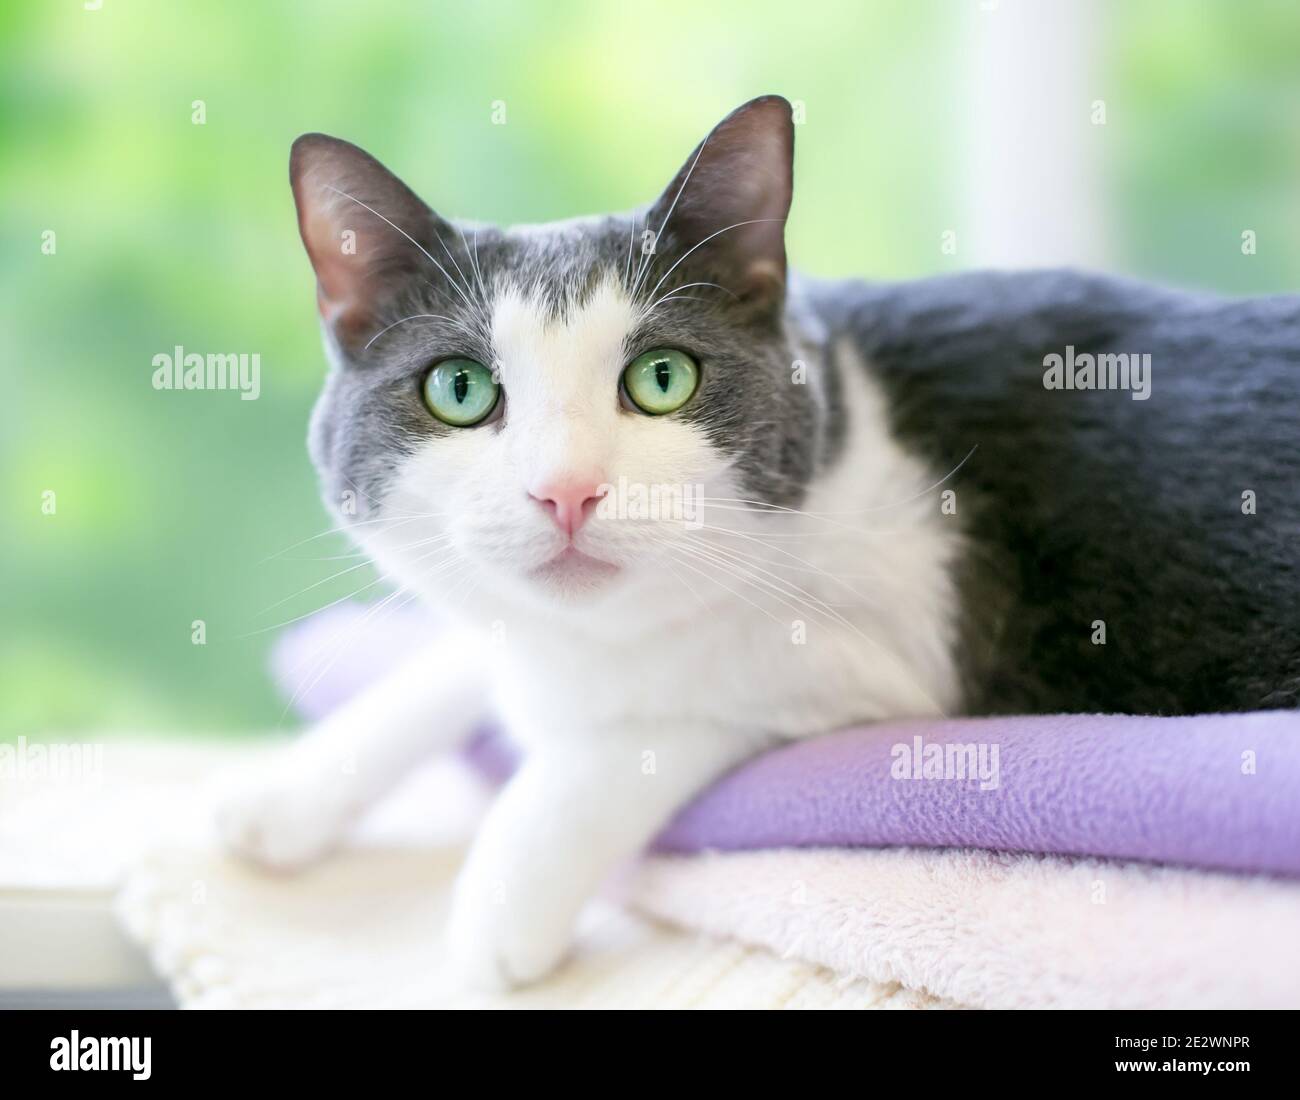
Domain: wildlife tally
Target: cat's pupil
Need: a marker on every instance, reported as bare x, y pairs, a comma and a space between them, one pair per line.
663, 373
460, 387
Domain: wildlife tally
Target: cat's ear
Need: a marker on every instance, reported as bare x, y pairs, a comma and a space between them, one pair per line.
730, 200
366, 232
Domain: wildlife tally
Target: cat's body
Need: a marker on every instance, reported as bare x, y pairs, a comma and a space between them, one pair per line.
1173, 519
887, 513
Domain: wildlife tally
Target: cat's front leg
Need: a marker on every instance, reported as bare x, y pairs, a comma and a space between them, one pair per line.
294, 808
571, 814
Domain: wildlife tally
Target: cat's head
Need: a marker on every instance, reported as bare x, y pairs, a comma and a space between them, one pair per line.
553, 410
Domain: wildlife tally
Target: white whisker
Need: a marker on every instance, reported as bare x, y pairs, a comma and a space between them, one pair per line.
412, 317
648, 261
408, 236
737, 225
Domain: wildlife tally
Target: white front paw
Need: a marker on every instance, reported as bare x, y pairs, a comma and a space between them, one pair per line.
283, 823
494, 945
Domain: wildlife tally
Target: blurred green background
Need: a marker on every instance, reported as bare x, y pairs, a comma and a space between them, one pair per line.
168, 505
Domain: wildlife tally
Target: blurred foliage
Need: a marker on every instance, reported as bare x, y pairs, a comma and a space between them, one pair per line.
169, 505
1207, 141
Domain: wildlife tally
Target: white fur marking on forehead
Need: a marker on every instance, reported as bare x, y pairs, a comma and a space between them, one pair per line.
538, 347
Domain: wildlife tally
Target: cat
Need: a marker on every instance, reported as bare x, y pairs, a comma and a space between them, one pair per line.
875, 503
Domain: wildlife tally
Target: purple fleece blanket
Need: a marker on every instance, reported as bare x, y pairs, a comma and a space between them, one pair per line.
1214, 791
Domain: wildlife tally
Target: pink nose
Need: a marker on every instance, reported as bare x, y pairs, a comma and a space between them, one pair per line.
569, 502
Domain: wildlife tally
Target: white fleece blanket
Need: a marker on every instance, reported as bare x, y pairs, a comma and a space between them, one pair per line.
808, 928
997, 930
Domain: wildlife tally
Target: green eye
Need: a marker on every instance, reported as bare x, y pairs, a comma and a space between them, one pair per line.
661, 381
461, 392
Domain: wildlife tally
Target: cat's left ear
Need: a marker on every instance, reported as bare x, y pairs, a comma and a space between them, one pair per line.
730, 200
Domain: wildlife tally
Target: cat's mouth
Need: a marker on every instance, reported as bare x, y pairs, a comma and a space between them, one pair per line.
572, 566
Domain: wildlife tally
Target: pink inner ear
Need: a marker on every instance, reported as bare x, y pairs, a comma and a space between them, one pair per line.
338, 274
354, 282
763, 277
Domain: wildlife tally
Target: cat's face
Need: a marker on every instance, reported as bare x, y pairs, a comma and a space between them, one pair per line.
559, 412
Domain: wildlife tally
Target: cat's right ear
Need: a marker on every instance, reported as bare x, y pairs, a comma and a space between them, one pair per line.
733, 195
366, 232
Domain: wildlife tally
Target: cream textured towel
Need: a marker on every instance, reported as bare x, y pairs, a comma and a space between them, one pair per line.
362, 930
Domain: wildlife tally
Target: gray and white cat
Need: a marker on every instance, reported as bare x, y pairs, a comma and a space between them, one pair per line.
703, 507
